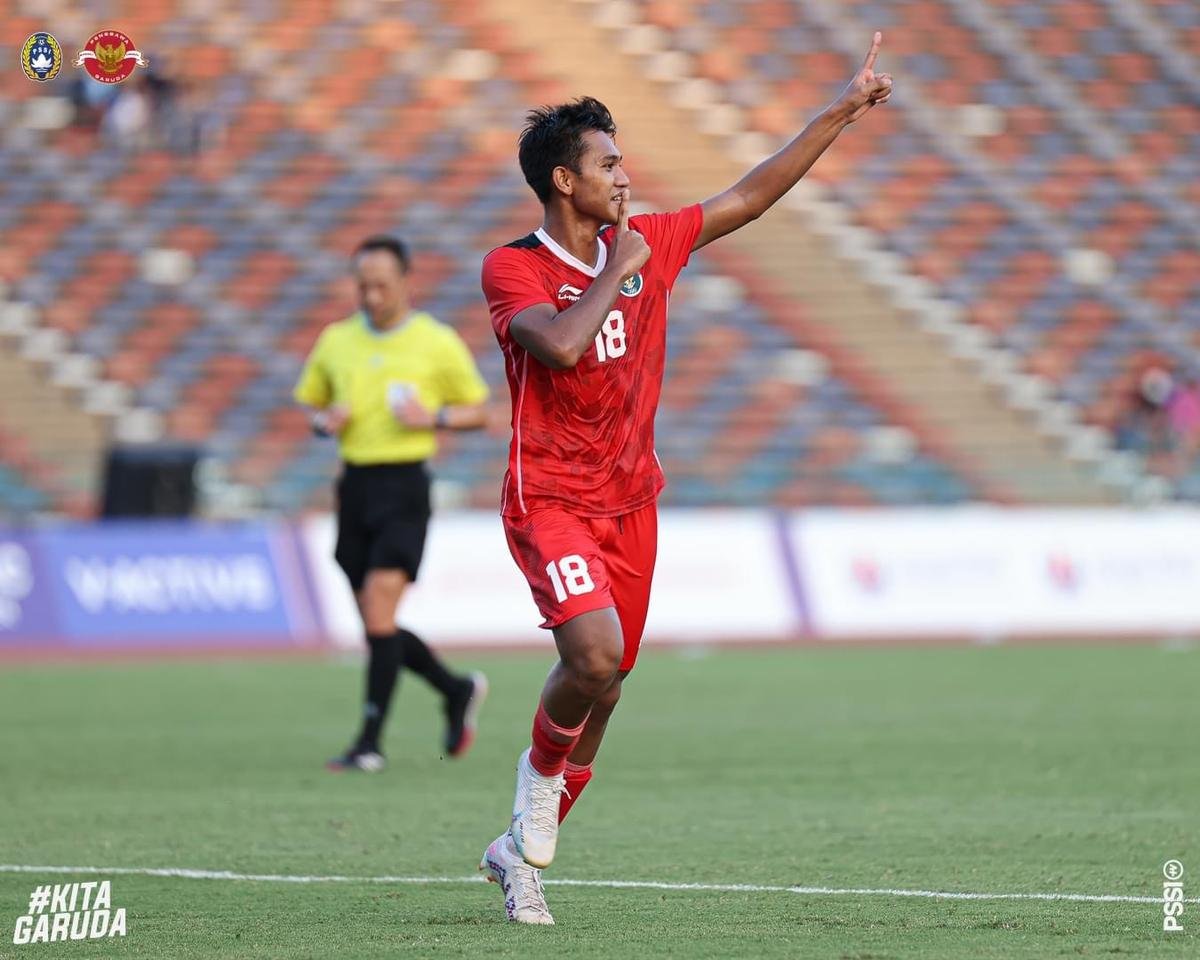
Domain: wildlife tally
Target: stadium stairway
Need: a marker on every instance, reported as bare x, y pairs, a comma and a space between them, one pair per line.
66, 444
929, 390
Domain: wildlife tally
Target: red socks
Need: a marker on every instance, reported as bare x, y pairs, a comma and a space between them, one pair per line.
552, 744
577, 778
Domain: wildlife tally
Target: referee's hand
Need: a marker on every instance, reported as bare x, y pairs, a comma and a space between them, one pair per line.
414, 414
331, 421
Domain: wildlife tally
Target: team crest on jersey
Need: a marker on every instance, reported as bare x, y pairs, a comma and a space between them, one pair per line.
41, 57
109, 56
568, 292
632, 287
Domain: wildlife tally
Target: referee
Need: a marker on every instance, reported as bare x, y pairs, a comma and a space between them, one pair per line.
383, 381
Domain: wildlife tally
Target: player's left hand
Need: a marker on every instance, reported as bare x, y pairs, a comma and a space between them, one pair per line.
868, 87
414, 414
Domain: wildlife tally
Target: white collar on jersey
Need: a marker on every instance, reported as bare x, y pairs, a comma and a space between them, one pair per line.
570, 259
376, 332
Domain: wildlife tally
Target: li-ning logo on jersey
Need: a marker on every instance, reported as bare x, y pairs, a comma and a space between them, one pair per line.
632, 287
568, 292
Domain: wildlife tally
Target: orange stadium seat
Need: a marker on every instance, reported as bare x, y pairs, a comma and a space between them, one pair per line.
270, 210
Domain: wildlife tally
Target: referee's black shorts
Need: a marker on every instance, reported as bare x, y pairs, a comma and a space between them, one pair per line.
383, 513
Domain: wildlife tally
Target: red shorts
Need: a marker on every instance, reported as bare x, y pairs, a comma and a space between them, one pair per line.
578, 564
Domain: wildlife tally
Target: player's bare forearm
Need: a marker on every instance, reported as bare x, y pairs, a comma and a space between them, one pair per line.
761, 188
559, 339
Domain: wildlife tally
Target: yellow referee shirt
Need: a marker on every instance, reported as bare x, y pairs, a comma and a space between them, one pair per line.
357, 367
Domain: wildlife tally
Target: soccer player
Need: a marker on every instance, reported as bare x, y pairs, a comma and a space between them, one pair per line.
383, 381
579, 308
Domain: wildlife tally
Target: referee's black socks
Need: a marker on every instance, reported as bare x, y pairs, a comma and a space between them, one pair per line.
385, 657
421, 660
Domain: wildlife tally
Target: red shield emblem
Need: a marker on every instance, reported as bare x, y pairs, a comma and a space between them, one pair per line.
110, 57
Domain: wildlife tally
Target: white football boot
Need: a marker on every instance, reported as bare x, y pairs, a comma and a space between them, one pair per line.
535, 814
524, 898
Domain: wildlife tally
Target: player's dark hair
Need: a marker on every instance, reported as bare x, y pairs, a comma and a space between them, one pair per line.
383, 241
553, 137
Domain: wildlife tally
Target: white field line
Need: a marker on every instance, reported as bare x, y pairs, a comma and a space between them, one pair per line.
189, 874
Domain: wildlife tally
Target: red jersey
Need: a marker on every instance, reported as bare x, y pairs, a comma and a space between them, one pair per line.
583, 438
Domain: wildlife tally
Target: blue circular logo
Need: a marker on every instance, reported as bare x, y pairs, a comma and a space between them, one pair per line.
41, 57
632, 287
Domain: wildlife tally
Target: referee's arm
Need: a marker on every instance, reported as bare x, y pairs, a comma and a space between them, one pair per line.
461, 388
460, 416
314, 392
466, 416
328, 421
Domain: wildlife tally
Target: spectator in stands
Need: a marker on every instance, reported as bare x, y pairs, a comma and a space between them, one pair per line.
161, 88
127, 123
91, 99
1143, 428
190, 124
1183, 422
384, 381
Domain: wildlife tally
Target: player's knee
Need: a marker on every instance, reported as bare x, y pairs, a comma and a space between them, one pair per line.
590, 648
606, 703
595, 669
594, 676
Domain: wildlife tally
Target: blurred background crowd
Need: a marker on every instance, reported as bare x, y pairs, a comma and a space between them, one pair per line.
989, 292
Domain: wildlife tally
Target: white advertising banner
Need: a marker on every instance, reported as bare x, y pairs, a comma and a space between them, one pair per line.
720, 576
468, 588
993, 572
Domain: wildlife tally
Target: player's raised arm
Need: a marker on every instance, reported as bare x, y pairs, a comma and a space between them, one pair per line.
759, 189
557, 339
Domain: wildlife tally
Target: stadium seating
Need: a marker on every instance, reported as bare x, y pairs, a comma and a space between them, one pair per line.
415, 134
1071, 241
267, 219
27, 484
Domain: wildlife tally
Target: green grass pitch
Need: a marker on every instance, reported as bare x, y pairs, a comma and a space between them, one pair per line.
1008, 769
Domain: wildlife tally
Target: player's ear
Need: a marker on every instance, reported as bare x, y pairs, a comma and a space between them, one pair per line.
563, 182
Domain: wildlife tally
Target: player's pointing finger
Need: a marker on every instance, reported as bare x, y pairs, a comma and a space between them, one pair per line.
869, 63
622, 214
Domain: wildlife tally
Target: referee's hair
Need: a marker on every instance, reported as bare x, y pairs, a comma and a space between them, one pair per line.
385, 241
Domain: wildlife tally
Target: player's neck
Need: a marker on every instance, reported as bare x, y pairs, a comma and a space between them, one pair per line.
576, 235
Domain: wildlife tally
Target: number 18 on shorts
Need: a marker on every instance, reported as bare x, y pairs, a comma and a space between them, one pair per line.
578, 564
569, 577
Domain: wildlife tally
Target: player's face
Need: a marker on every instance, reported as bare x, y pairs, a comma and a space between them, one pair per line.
382, 286
601, 180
